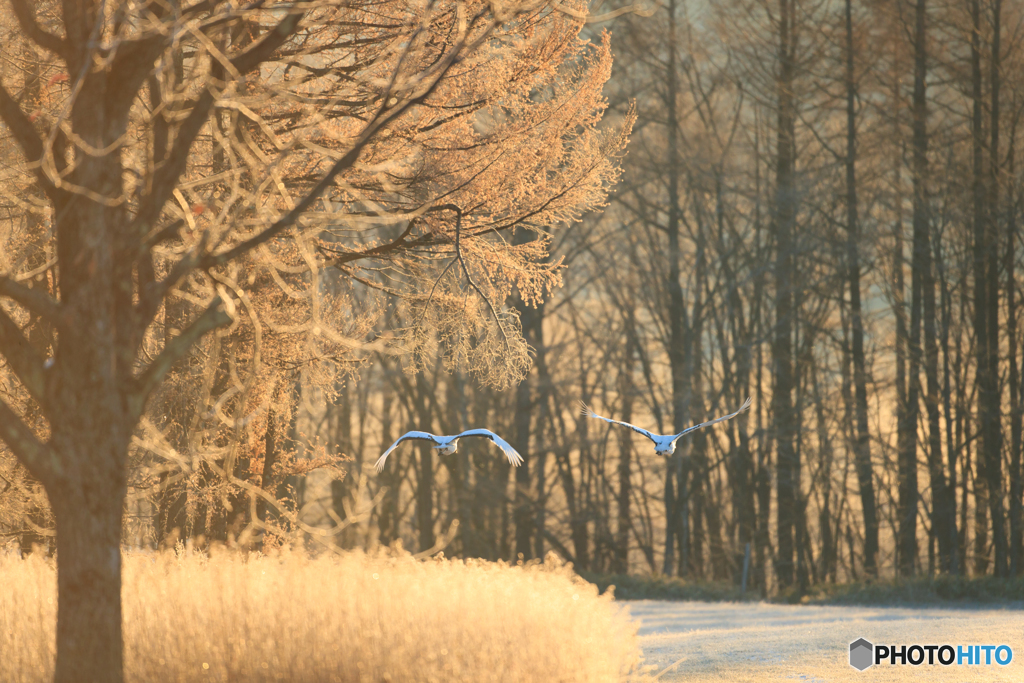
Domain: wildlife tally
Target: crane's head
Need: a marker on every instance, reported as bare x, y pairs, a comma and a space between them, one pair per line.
447, 448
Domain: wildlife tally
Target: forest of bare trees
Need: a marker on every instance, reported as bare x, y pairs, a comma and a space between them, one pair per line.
819, 209
233, 274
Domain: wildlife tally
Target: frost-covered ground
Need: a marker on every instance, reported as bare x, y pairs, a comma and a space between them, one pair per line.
759, 642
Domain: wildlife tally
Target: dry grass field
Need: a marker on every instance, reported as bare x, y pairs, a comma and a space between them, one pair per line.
353, 618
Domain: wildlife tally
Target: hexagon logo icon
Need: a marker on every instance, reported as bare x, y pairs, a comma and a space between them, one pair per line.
862, 654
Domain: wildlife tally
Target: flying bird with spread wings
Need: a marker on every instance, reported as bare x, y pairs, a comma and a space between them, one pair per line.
446, 445
665, 444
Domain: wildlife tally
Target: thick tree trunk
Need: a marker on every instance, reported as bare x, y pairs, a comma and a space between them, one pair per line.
906, 541
784, 417
339, 420
674, 501
989, 464
524, 403
94, 365
88, 502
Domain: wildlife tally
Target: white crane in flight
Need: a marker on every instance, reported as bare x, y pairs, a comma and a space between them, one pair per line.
446, 445
665, 444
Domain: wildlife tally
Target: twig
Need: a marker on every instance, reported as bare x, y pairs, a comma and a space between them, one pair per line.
469, 278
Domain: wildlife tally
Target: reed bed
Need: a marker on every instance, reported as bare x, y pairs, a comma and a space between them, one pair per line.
354, 617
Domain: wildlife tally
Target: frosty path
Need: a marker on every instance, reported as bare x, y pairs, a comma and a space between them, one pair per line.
758, 642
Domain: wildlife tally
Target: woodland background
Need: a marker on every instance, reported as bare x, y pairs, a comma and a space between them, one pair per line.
819, 207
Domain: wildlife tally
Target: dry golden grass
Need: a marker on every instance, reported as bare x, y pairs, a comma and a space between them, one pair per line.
348, 618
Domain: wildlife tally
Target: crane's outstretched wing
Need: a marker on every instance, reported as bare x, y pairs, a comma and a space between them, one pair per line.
408, 435
513, 457
746, 404
590, 413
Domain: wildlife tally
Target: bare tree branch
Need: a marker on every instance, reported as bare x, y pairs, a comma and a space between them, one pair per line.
166, 176
134, 60
22, 358
381, 250
262, 50
29, 141
36, 456
213, 317
465, 269
35, 32
35, 300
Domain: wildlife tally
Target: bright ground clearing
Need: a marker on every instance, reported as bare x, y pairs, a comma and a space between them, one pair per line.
758, 642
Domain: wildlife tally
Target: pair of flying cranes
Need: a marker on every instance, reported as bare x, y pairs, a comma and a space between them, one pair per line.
446, 445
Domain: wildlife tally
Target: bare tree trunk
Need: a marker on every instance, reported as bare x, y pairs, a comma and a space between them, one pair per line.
677, 331
698, 461
955, 563
825, 456
986, 382
388, 521
545, 390
992, 414
981, 494
425, 480
804, 361
943, 496
1016, 490
761, 476
862, 448
271, 453
943, 500
784, 417
902, 342
523, 512
339, 419
964, 438
742, 473
621, 564
906, 541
